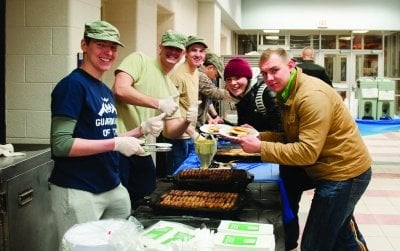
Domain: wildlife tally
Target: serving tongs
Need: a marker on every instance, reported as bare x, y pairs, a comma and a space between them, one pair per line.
223, 165
157, 147
185, 219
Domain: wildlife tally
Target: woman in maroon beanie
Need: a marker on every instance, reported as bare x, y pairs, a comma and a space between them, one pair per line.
255, 103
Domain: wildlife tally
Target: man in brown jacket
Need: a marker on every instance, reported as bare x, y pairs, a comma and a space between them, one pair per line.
320, 137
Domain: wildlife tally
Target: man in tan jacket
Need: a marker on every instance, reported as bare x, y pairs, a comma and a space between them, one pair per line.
320, 137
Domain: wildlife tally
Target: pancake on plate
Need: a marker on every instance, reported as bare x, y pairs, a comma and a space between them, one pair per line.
238, 131
213, 129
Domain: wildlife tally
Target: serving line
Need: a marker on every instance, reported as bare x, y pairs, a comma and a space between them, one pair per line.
263, 172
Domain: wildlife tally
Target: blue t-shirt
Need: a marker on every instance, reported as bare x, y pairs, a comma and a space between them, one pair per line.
91, 103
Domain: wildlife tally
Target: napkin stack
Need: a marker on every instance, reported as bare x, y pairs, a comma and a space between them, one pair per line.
7, 150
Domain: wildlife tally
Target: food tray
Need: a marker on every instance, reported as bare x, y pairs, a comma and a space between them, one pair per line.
206, 203
213, 179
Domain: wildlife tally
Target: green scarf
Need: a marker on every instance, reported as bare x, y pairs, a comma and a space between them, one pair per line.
284, 95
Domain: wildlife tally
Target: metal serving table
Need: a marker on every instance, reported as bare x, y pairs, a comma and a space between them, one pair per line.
25, 218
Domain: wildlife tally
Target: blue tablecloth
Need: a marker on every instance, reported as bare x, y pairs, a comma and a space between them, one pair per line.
368, 127
263, 172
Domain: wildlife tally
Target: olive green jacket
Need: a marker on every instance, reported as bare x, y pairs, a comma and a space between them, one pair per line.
320, 134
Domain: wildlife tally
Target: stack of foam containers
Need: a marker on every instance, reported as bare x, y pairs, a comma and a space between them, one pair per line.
244, 236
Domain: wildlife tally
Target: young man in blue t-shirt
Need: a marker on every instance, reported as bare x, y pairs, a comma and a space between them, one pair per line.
85, 183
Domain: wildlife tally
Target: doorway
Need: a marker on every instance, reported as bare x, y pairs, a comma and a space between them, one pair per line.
345, 68
337, 67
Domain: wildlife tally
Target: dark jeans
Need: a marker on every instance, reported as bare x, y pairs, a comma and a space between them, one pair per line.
295, 181
138, 175
330, 223
180, 151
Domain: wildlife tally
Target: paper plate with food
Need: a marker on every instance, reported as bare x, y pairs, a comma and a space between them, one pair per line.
234, 132
214, 128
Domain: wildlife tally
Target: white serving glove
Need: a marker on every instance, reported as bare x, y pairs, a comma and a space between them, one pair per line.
153, 125
128, 145
191, 114
168, 105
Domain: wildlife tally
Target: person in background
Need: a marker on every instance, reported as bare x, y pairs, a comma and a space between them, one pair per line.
320, 137
186, 80
211, 69
143, 90
85, 184
255, 103
311, 68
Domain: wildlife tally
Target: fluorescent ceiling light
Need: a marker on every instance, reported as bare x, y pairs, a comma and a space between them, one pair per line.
271, 31
345, 38
272, 37
360, 31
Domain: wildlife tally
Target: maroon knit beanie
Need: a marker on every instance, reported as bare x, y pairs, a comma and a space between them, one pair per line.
237, 67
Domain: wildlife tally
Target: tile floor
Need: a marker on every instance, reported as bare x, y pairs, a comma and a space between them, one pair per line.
378, 212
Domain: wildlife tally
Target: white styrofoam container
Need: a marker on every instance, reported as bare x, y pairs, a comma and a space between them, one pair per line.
240, 242
241, 227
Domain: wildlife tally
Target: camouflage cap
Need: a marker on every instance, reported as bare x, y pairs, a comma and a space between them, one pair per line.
213, 59
174, 39
102, 30
195, 40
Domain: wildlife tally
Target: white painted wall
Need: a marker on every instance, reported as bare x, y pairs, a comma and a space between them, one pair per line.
42, 39
232, 9
307, 14
134, 20
226, 41
209, 25
141, 25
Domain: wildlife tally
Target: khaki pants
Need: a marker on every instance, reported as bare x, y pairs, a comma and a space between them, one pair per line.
72, 206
